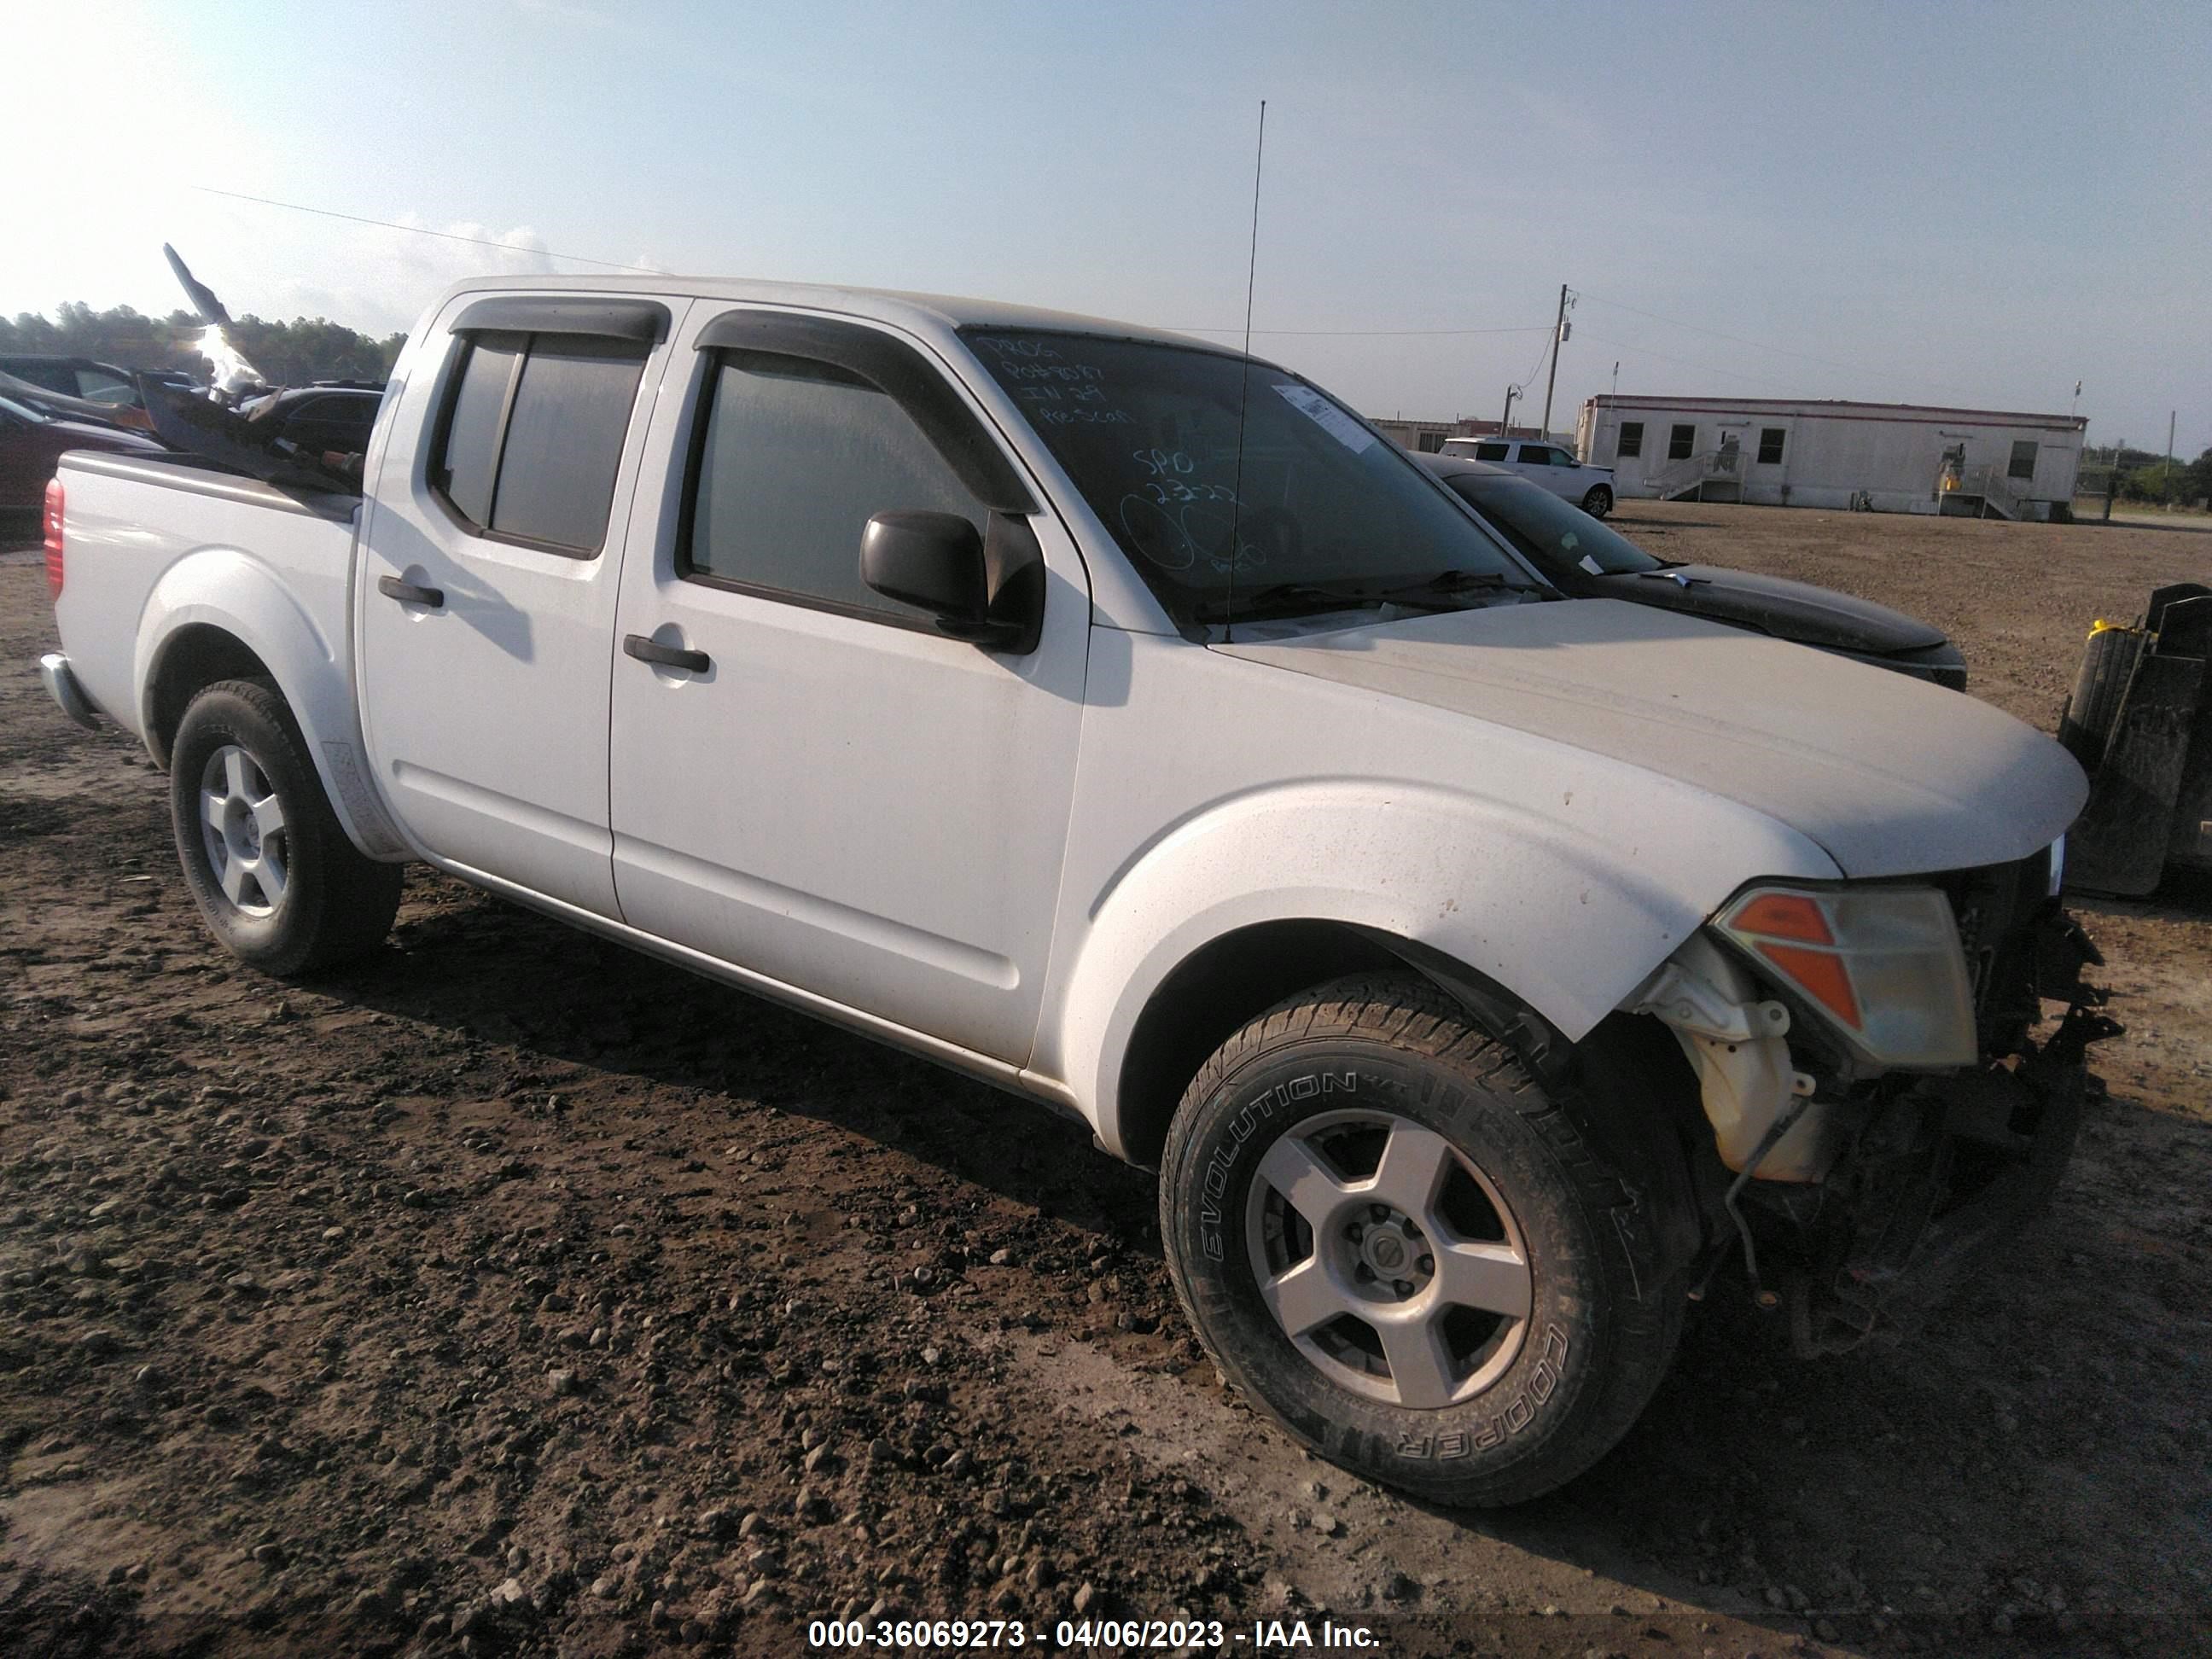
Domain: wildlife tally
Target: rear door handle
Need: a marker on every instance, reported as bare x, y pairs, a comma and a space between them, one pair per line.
666, 656
408, 593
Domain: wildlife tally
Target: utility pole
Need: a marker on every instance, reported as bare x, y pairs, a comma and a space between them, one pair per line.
1505, 421
2169, 460
1559, 334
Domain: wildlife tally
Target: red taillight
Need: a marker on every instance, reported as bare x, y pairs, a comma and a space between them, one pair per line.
54, 537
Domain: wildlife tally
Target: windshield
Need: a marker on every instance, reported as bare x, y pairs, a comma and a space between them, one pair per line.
1556, 534
1318, 512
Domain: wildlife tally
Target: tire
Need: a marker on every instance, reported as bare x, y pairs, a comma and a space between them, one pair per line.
1599, 501
1489, 1408
274, 875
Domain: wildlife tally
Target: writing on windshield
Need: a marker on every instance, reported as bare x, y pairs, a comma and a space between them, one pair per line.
1215, 471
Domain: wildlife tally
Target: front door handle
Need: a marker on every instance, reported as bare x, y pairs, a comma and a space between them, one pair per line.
666, 656
409, 594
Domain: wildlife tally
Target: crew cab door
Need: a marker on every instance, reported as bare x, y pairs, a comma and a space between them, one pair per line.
810, 781
490, 560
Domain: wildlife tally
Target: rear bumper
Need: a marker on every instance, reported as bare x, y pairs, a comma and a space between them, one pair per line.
61, 685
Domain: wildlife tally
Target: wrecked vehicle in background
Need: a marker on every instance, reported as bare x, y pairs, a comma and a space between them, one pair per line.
33, 440
1125, 722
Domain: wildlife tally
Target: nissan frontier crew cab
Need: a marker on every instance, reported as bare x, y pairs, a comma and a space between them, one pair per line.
1123, 721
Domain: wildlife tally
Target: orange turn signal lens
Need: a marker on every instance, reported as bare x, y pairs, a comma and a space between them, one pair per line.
1821, 975
1783, 915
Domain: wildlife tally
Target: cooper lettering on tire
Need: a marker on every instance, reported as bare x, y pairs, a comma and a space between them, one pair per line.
1399, 1243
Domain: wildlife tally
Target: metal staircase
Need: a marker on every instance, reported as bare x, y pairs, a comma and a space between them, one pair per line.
1711, 475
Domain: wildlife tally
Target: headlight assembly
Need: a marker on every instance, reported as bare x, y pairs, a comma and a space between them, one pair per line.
1882, 964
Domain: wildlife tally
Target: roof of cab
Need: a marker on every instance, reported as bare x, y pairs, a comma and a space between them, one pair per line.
924, 313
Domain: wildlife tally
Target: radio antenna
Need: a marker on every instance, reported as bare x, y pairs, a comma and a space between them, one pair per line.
1244, 385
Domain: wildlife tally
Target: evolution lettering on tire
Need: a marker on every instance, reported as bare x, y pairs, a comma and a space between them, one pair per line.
1211, 1215
1405, 1249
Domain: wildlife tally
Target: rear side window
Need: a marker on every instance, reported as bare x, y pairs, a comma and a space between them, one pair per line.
1631, 438
1680, 442
534, 435
1491, 452
797, 456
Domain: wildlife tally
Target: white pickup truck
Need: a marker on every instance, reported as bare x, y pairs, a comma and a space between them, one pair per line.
1121, 720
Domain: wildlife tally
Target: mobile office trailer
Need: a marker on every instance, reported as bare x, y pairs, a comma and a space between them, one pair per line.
1886, 457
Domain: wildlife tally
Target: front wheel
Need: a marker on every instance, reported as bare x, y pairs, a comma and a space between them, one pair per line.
1599, 501
1413, 1255
275, 878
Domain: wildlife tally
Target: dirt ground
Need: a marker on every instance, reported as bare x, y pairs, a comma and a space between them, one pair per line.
511, 1294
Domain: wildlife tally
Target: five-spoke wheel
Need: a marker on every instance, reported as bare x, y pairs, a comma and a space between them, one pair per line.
1417, 1256
266, 858
1390, 1259
242, 825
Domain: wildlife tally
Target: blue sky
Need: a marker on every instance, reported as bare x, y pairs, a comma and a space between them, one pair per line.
1958, 204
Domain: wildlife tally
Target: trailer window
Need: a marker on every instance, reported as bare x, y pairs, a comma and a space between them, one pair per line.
1680, 442
1769, 445
1632, 439
2023, 459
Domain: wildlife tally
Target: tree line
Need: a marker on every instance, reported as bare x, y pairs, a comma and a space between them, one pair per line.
2142, 474
289, 354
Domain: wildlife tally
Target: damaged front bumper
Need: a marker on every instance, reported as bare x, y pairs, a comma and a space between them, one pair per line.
1946, 1168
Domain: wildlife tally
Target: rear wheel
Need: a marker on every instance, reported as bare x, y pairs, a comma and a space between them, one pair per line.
1599, 501
274, 875
1390, 1237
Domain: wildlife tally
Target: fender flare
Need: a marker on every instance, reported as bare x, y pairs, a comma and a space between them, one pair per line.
1563, 924
228, 589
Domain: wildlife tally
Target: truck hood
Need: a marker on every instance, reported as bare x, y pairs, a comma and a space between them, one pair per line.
1775, 605
1886, 775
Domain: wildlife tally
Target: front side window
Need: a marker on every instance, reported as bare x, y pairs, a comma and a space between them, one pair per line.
1216, 473
1632, 439
1769, 445
1680, 440
2023, 459
796, 457
1535, 455
533, 436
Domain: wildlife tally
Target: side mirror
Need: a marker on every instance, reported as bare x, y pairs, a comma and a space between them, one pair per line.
990, 594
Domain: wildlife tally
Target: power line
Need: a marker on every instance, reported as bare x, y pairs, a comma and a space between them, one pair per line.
419, 230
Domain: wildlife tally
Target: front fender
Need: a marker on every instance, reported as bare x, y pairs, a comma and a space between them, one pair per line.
230, 589
1561, 920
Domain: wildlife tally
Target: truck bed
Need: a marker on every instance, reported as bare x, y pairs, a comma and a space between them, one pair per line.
133, 522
